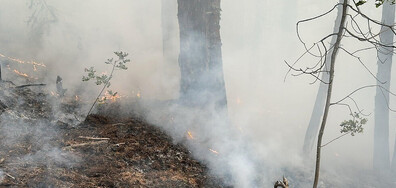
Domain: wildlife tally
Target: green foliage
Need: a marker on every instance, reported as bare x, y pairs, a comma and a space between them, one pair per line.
104, 79
378, 3
354, 125
361, 2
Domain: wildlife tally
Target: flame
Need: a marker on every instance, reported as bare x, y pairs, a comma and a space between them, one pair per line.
138, 95
35, 65
77, 98
108, 96
214, 151
190, 135
21, 74
22, 61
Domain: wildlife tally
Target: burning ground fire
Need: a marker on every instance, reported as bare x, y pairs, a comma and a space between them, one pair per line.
190, 136
112, 97
23, 74
17, 72
35, 64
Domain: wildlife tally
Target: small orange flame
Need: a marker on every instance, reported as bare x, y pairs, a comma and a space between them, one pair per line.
214, 151
190, 135
138, 95
21, 74
22, 61
112, 98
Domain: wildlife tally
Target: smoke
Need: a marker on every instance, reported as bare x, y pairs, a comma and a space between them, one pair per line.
261, 137
1, 175
30, 136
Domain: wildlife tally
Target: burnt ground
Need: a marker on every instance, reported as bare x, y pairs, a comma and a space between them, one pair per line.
40, 150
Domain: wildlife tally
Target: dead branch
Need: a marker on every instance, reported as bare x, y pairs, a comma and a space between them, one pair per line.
12, 177
93, 138
335, 139
364, 87
85, 144
283, 184
28, 85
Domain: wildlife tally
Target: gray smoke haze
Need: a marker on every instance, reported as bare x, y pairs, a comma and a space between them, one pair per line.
268, 116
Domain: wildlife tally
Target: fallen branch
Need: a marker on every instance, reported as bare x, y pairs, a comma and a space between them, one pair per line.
28, 85
119, 144
85, 144
12, 177
93, 138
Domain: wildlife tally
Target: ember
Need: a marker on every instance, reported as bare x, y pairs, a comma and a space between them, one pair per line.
190, 136
214, 151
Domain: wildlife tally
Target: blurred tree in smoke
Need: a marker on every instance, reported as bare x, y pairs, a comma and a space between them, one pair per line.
169, 30
200, 59
40, 20
324, 70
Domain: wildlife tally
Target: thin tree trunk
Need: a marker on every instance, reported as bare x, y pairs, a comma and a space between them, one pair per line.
329, 90
200, 60
393, 167
169, 30
381, 159
317, 112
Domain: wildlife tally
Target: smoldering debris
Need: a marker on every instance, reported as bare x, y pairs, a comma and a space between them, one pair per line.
42, 147
29, 133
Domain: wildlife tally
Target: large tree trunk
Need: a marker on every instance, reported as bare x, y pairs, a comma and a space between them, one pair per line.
200, 60
317, 112
381, 130
169, 30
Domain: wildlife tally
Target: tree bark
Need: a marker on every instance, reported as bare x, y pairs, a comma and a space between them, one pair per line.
330, 88
317, 112
381, 159
200, 59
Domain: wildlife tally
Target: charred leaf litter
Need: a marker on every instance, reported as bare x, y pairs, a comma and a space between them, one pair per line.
46, 145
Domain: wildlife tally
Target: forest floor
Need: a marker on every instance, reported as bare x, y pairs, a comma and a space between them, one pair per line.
41, 148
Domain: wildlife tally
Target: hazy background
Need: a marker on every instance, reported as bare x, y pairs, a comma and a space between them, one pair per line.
257, 36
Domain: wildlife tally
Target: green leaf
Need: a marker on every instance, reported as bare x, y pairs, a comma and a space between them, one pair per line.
361, 2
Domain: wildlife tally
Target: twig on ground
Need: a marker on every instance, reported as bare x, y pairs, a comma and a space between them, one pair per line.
85, 144
28, 85
12, 177
93, 138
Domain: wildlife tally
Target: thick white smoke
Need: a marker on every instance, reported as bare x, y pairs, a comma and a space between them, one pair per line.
267, 117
